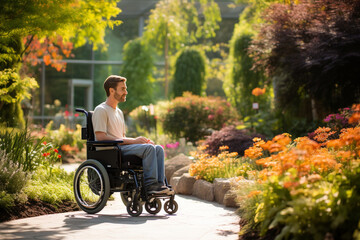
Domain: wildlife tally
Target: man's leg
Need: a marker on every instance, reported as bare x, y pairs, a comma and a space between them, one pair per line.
160, 157
148, 154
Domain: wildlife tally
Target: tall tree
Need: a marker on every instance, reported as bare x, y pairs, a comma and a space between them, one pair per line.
313, 47
173, 24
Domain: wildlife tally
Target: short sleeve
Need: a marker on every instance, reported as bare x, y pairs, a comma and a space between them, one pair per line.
99, 120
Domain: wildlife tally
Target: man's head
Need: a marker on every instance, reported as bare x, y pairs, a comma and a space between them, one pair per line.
116, 86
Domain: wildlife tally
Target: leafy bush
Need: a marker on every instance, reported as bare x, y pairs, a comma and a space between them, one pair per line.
237, 140
189, 72
193, 117
12, 181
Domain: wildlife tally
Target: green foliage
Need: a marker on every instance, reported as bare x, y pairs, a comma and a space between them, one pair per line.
13, 91
137, 68
52, 185
19, 145
12, 181
273, 123
180, 23
193, 117
242, 78
80, 21
189, 72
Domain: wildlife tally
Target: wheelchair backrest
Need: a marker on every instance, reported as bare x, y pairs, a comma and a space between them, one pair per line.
88, 131
90, 128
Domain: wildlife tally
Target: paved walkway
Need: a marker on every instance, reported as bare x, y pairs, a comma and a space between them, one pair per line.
195, 219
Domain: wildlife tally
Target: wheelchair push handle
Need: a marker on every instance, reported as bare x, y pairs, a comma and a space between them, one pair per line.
81, 110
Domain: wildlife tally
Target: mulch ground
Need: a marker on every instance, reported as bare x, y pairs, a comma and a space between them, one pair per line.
34, 208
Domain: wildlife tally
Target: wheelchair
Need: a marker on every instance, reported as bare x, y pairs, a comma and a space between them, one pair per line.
107, 171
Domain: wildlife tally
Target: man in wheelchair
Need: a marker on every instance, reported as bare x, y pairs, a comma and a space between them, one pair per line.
108, 123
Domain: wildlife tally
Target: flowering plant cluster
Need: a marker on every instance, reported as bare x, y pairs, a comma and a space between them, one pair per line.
224, 165
193, 117
306, 189
68, 139
50, 154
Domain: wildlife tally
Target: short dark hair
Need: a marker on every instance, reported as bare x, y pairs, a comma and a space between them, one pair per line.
112, 82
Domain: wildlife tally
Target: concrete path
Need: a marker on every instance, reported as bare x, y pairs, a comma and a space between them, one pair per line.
195, 219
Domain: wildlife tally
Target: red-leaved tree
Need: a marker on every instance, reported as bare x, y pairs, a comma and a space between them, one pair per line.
312, 49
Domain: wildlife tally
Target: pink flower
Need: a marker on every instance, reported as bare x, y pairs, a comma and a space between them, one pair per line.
211, 117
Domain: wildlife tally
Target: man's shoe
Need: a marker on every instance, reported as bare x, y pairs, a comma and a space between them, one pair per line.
171, 191
156, 189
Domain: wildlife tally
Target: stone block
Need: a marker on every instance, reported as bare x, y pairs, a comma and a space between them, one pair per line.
176, 163
185, 184
221, 187
230, 199
174, 182
203, 190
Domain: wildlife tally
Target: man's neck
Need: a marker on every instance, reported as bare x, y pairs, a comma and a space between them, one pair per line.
111, 102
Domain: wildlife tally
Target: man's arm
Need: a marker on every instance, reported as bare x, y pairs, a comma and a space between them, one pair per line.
102, 136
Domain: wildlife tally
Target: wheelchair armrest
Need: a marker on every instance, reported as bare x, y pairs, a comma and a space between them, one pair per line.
104, 143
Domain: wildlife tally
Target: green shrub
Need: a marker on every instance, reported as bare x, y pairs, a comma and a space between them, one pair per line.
193, 117
189, 72
52, 185
12, 181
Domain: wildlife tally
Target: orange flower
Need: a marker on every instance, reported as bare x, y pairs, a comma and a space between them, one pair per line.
258, 91
222, 148
253, 193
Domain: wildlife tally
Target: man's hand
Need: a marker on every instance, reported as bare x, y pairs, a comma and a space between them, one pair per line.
143, 140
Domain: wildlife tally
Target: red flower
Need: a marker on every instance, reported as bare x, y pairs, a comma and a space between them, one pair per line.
44, 143
55, 150
59, 156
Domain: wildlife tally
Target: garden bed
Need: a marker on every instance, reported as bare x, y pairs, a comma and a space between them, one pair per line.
33, 208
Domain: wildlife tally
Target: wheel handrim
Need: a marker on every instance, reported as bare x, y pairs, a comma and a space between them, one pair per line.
89, 189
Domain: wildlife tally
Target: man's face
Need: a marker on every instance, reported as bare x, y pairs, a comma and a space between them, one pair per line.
121, 92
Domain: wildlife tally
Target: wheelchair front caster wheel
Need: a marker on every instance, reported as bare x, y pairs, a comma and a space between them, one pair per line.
153, 207
171, 208
134, 210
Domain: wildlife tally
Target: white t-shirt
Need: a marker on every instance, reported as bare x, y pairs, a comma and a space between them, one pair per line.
109, 120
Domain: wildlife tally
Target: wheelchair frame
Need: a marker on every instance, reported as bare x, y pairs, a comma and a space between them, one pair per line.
107, 171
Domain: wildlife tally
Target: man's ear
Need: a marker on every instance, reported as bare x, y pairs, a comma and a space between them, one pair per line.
111, 90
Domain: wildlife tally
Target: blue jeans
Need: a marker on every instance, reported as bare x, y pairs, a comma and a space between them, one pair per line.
152, 159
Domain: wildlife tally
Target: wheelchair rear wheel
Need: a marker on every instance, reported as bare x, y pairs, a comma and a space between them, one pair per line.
91, 186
